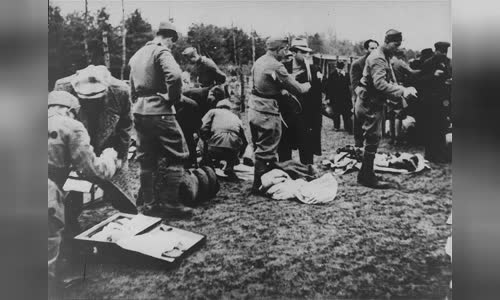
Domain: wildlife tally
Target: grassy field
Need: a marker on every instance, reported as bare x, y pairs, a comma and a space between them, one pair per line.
365, 244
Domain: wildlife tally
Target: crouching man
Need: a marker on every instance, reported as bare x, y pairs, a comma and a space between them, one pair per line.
223, 133
68, 149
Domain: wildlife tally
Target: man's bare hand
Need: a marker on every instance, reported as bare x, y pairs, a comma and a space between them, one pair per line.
410, 91
165, 97
438, 73
307, 86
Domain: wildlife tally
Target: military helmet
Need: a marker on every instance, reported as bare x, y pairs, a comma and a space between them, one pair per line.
65, 99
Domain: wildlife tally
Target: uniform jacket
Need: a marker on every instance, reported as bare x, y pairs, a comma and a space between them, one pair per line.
269, 77
377, 79
69, 147
222, 128
338, 91
153, 69
208, 73
108, 122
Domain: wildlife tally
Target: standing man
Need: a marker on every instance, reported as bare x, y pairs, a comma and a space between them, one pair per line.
339, 94
435, 80
356, 75
306, 131
207, 77
68, 148
106, 114
270, 77
156, 83
375, 88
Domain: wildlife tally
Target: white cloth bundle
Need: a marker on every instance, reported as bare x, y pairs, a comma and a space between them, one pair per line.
321, 190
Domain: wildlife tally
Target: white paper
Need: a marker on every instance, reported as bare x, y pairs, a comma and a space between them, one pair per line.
161, 239
77, 185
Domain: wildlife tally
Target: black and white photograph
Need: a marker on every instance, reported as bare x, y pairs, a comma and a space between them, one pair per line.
249, 149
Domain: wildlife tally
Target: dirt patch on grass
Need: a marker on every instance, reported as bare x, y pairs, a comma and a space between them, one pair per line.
367, 243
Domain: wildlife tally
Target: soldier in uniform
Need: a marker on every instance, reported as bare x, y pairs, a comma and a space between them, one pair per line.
156, 83
435, 81
68, 148
356, 75
375, 88
105, 113
205, 70
207, 77
270, 77
223, 132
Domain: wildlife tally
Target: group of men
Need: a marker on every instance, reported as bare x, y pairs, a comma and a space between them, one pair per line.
285, 104
91, 114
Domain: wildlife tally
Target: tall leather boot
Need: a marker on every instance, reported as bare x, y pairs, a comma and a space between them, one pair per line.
169, 193
260, 169
146, 191
366, 175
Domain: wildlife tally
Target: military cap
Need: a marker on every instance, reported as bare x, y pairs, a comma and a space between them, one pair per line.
393, 35
189, 51
166, 26
426, 53
63, 98
275, 42
91, 82
443, 46
300, 44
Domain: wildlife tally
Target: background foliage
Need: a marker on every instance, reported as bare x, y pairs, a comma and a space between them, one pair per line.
67, 52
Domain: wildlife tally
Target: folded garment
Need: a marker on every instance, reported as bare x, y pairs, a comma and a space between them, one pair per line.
273, 177
321, 190
349, 159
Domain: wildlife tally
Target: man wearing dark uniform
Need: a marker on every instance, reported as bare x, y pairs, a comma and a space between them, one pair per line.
339, 93
435, 80
156, 83
375, 88
270, 77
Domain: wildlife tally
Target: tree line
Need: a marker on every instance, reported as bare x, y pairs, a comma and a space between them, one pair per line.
231, 48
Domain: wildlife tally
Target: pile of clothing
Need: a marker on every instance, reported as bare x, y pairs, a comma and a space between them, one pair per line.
278, 185
349, 159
